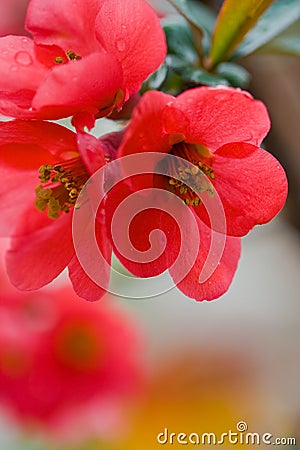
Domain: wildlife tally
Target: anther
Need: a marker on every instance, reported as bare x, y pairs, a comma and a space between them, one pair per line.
72, 55
187, 181
60, 187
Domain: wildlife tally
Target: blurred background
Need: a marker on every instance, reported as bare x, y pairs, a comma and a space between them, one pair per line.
199, 367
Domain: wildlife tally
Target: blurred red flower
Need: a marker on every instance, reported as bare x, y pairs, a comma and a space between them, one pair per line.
218, 131
84, 56
43, 167
63, 366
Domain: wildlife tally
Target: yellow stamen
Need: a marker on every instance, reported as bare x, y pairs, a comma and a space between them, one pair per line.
60, 187
70, 55
184, 177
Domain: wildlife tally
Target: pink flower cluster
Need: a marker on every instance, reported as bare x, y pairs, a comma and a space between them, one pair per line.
86, 59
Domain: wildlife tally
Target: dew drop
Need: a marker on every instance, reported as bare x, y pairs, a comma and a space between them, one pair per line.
124, 27
5, 52
121, 45
13, 68
23, 59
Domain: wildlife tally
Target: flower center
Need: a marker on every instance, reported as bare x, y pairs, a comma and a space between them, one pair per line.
71, 56
60, 186
78, 346
187, 180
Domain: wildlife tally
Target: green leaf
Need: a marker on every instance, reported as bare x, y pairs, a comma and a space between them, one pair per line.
276, 19
180, 41
156, 79
204, 16
287, 42
235, 19
235, 74
206, 19
201, 20
198, 77
183, 8
165, 78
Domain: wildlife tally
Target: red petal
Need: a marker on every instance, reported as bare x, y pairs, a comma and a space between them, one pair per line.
146, 132
52, 139
251, 184
24, 147
38, 257
21, 74
132, 32
82, 283
18, 65
140, 240
47, 54
17, 104
91, 151
82, 120
218, 283
89, 269
111, 142
69, 24
218, 116
187, 248
145, 251
77, 86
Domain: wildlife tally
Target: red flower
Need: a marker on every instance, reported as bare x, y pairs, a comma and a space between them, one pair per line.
218, 131
63, 366
84, 56
42, 174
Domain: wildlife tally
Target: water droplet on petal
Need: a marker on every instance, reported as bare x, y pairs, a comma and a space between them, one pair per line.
124, 27
24, 42
13, 68
5, 52
121, 45
23, 58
